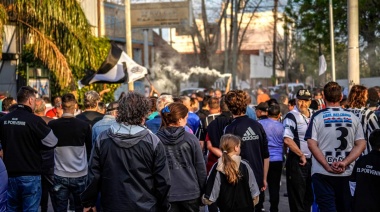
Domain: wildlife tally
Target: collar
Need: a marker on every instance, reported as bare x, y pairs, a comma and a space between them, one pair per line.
26, 107
67, 115
235, 158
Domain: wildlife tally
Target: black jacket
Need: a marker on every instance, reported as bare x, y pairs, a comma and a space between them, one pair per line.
128, 166
186, 163
23, 135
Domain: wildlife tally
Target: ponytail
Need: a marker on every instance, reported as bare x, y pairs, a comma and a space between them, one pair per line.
228, 143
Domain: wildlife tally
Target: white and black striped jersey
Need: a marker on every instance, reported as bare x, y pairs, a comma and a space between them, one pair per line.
295, 124
369, 121
335, 131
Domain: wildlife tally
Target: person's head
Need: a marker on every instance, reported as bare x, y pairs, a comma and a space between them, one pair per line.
7, 102
260, 91
274, 111
68, 103
318, 94
357, 97
57, 102
163, 100
133, 108
186, 101
112, 108
101, 107
261, 109
200, 95
194, 105
174, 114
218, 93
214, 105
46, 99
272, 102
230, 145
332, 92
210, 92
223, 105
373, 97
303, 100
27, 96
291, 104
40, 107
91, 99
236, 101
374, 139
283, 99
153, 102
205, 104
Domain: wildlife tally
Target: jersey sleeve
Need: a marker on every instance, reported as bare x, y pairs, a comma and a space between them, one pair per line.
311, 130
213, 185
290, 126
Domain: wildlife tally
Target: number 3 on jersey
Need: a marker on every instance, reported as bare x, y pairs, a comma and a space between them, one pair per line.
342, 138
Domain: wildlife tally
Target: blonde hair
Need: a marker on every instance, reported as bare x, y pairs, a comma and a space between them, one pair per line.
228, 143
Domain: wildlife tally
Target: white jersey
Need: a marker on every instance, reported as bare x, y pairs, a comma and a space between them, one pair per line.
335, 131
295, 124
369, 121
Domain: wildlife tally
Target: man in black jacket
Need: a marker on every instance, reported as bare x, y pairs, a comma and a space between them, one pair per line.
128, 163
23, 135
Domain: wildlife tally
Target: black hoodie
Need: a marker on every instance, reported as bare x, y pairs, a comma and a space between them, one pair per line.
186, 163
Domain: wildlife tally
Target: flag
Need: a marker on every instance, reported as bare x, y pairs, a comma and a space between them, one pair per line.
322, 65
117, 68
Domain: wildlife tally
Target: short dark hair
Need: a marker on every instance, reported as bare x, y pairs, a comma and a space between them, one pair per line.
133, 108
332, 92
374, 139
25, 93
292, 102
274, 110
68, 101
213, 103
7, 102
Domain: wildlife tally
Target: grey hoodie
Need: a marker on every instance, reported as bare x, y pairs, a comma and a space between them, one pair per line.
186, 164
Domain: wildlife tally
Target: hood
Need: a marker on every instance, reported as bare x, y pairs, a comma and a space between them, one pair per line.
126, 136
235, 158
171, 135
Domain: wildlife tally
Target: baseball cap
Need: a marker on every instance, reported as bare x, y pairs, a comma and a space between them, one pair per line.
263, 106
113, 106
304, 94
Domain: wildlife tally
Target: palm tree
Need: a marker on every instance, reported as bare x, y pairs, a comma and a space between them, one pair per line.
57, 32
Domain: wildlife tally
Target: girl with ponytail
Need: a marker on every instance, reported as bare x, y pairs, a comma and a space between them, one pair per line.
231, 182
184, 155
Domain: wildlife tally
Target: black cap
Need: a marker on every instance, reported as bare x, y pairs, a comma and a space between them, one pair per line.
263, 106
304, 94
113, 106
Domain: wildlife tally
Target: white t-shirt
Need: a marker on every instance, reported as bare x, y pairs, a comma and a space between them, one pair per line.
335, 131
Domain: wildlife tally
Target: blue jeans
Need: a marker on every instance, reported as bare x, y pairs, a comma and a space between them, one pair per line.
24, 193
63, 187
332, 193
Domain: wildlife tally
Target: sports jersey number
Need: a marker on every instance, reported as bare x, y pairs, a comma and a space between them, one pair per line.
342, 139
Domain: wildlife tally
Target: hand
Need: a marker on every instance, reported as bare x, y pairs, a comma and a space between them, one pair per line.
256, 200
264, 186
89, 209
303, 160
338, 167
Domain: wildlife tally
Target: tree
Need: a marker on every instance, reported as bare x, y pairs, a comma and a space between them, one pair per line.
57, 32
311, 19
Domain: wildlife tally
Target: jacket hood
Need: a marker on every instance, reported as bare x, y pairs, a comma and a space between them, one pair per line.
171, 135
235, 158
126, 136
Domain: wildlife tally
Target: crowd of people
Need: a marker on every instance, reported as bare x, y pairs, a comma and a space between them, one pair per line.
171, 153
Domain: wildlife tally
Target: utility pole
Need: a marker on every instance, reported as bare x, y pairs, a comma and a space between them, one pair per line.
128, 34
235, 50
274, 40
353, 43
332, 40
286, 53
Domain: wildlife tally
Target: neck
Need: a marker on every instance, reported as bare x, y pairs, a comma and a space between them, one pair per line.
332, 104
235, 116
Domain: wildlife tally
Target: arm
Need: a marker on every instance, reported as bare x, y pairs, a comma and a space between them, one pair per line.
214, 150
318, 155
200, 166
161, 177
266, 168
294, 148
90, 194
88, 142
359, 147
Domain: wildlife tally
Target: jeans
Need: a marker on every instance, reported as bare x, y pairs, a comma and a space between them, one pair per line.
63, 187
24, 193
332, 193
